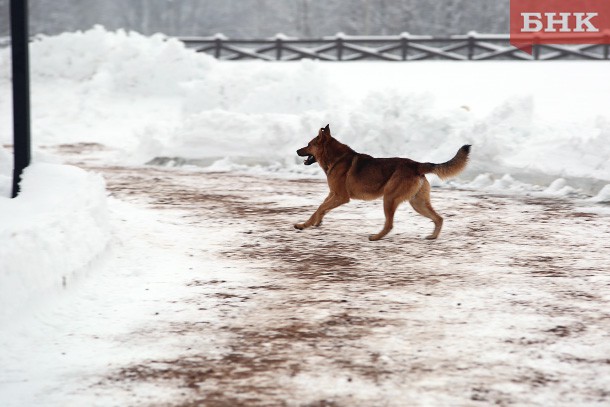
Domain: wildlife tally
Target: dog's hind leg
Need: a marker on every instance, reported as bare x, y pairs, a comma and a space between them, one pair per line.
390, 204
331, 202
400, 188
421, 203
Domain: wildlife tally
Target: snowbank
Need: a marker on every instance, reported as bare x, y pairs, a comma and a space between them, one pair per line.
6, 171
53, 229
113, 61
603, 196
151, 97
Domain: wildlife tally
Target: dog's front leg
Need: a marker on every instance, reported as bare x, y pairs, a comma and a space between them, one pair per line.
312, 220
332, 201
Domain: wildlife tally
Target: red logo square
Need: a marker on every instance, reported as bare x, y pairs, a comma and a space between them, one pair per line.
559, 22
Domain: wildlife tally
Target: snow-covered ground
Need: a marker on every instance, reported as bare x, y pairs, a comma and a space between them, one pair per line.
208, 296
188, 283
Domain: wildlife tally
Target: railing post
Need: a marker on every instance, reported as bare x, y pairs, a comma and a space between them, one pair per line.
340, 38
278, 48
218, 48
471, 44
21, 90
218, 38
536, 51
404, 42
536, 47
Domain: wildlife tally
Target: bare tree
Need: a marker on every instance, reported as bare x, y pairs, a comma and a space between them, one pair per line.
263, 18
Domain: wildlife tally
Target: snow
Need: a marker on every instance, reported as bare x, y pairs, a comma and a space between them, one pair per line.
110, 62
603, 195
560, 187
87, 327
151, 97
55, 227
85, 276
6, 172
193, 292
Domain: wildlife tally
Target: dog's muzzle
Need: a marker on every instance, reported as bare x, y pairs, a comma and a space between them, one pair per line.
310, 158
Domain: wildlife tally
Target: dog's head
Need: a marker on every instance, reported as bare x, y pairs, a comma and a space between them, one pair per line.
314, 149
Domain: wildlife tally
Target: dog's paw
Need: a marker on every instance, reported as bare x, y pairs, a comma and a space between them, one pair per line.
431, 237
374, 238
299, 226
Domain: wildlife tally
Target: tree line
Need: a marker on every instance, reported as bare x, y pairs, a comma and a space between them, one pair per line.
264, 18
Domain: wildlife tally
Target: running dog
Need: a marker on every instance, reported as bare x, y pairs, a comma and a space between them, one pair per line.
353, 175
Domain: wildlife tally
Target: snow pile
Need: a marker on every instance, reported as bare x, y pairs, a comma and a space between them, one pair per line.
603, 196
559, 187
6, 171
54, 228
505, 183
114, 61
260, 88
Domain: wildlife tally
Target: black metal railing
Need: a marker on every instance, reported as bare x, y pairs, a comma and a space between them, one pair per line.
403, 47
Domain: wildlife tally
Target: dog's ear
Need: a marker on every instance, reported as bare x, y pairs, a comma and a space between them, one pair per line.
325, 131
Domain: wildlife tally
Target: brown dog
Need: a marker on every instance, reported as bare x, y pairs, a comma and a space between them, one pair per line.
360, 176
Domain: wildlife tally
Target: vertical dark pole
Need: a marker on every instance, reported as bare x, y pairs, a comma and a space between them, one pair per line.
404, 46
21, 90
278, 49
217, 48
471, 43
339, 48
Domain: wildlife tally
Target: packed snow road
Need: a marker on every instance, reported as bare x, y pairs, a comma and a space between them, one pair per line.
510, 306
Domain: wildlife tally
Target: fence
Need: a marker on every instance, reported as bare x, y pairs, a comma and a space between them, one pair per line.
404, 47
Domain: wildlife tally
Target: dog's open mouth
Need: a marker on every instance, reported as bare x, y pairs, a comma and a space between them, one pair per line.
309, 160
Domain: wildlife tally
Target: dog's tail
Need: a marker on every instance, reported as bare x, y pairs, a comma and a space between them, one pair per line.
451, 168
